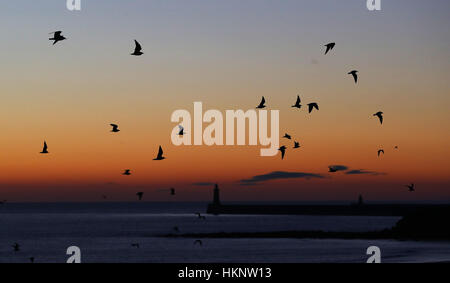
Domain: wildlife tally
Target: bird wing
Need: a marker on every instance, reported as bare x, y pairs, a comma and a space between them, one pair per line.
380, 116
298, 100
57, 33
138, 46
45, 146
181, 127
315, 105
263, 100
283, 151
310, 107
355, 76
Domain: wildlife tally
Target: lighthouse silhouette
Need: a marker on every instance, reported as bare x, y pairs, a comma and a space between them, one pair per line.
216, 198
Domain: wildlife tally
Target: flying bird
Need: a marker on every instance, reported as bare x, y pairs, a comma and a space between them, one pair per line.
127, 172
160, 154
329, 46
411, 187
311, 106
286, 136
140, 195
115, 128
379, 114
44, 149
380, 151
57, 37
261, 105
137, 49
297, 103
355, 76
198, 242
16, 247
283, 151
181, 131
296, 144
200, 216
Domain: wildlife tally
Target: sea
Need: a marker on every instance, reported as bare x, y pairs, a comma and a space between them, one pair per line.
105, 233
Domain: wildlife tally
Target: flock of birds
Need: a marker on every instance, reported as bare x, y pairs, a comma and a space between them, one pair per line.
57, 37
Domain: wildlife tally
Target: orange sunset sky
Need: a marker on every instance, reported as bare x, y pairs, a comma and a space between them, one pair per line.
225, 54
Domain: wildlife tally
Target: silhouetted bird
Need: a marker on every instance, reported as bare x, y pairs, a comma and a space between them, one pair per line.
286, 136
329, 47
355, 76
32, 259
200, 216
396, 147
57, 37
296, 144
137, 49
411, 187
311, 106
261, 105
115, 128
127, 172
140, 195
331, 169
44, 149
297, 103
283, 151
380, 151
198, 242
181, 131
379, 114
135, 245
160, 154
16, 247
172, 191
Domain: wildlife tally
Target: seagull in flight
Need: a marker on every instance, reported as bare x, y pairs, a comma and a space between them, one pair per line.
296, 144
297, 103
140, 195
411, 187
57, 37
115, 128
261, 105
181, 131
198, 242
379, 114
311, 106
137, 49
44, 149
286, 136
380, 151
329, 46
127, 172
355, 76
160, 154
331, 169
283, 151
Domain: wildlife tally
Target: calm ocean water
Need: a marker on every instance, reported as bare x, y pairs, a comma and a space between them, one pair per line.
105, 231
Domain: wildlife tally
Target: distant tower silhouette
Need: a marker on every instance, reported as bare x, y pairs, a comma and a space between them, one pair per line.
216, 199
360, 200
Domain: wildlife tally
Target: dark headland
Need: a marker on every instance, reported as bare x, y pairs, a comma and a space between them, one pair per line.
353, 209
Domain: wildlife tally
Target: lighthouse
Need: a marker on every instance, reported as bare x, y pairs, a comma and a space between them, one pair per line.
216, 198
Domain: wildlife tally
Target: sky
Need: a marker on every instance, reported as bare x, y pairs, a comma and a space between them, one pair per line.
225, 54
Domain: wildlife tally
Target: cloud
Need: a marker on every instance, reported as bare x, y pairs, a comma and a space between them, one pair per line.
339, 167
279, 175
203, 184
362, 171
